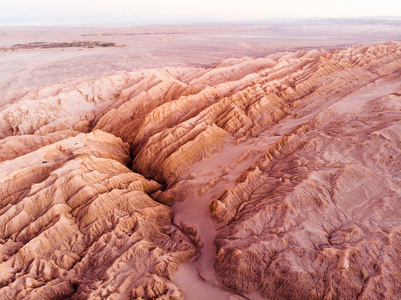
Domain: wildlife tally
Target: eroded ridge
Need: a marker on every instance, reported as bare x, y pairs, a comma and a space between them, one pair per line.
282, 175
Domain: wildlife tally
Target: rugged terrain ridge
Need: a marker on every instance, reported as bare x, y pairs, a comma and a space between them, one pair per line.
282, 173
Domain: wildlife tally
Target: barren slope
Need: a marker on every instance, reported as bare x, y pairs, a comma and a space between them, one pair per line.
277, 178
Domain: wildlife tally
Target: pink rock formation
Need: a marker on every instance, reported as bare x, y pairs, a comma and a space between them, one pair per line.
289, 162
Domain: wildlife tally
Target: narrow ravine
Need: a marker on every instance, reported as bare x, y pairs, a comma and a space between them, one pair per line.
197, 279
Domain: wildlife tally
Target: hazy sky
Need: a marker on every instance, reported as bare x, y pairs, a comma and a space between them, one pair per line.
92, 11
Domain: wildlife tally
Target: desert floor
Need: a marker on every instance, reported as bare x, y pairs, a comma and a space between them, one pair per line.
155, 46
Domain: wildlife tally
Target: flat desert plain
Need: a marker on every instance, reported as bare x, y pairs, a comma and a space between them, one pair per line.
167, 45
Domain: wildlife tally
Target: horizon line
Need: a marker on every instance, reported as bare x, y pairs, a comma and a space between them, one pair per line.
188, 21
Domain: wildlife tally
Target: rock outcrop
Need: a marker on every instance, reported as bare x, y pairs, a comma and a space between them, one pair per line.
291, 163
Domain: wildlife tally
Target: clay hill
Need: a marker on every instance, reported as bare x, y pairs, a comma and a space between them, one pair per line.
277, 177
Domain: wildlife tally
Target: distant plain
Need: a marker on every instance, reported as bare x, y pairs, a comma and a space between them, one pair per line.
156, 46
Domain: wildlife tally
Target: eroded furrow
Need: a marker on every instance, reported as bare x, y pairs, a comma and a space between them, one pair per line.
257, 178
